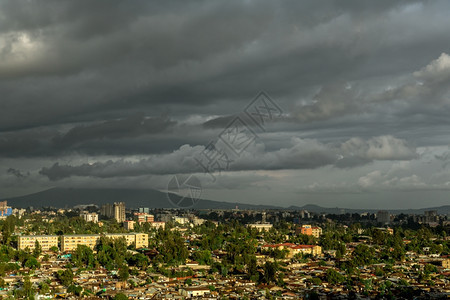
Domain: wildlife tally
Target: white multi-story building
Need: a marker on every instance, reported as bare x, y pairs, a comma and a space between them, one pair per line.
89, 217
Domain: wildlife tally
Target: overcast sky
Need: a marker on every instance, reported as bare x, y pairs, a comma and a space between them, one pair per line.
129, 94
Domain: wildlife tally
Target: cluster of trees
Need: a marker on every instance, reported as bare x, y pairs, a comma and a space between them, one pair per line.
12, 259
112, 254
170, 246
64, 224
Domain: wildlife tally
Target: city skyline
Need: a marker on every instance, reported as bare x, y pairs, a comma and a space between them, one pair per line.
114, 95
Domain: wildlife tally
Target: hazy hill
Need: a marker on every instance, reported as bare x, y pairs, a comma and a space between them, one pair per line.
445, 209
135, 198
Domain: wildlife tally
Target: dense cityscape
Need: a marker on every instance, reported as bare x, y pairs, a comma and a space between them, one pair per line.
111, 252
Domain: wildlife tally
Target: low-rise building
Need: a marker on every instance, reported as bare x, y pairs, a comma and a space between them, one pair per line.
261, 226
190, 292
294, 249
197, 221
446, 263
181, 220
158, 225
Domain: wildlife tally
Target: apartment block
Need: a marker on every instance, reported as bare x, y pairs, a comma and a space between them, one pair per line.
129, 225
45, 241
107, 210
383, 217
139, 239
70, 242
144, 217
89, 217
310, 230
119, 211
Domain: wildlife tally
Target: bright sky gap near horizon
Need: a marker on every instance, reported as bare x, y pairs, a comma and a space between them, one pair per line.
126, 94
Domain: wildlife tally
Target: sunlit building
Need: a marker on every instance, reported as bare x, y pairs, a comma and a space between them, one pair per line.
45, 241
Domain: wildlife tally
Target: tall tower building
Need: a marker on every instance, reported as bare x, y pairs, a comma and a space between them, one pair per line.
383, 217
119, 211
107, 210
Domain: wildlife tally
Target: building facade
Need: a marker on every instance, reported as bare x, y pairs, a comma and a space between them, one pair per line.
261, 227
310, 230
294, 249
70, 242
158, 225
144, 217
383, 217
140, 240
119, 211
89, 217
107, 210
5, 210
45, 241
129, 225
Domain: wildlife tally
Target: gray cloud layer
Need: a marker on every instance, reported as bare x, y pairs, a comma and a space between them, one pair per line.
142, 87
303, 154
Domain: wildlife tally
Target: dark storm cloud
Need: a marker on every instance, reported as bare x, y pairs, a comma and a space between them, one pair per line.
17, 173
302, 154
179, 55
360, 82
29, 143
127, 128
131, 135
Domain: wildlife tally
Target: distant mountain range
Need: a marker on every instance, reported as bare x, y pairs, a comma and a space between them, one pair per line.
442, 210
135, 198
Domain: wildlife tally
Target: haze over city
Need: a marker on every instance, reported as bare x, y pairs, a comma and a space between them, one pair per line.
118, 95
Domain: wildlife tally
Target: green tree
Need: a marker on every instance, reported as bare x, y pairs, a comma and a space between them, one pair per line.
120, 296
44, 288
316, 281
429, 268
270, 269
32, 263
252, 267
363, 255
37, 249
27, 288
8, 229
139, 260
3, 284
83, 256
123, 273
340, 251
66, 277
334, 277
203, 257
75, 289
